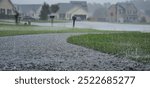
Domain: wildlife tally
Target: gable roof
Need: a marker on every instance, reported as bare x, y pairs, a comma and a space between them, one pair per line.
64, 7
76, 9
80, 3
10, 3
126, 5
25, 8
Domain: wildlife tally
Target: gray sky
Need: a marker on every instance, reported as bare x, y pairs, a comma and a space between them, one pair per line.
58, 1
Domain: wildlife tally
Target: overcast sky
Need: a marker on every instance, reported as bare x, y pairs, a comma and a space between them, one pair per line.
58, 1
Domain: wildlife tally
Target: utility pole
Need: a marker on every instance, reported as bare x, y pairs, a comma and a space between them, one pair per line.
117, 13
16, 17
52, 20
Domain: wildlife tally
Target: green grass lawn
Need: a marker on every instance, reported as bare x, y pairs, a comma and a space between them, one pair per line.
12, 30
133, 45
49, 21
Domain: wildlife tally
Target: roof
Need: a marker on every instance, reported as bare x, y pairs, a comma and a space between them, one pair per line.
64, 7
25, 8
81, 3
9, 2
126, 5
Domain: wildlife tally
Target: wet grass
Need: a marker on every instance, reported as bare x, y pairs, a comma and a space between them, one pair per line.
133, 45
49, 21
13, 30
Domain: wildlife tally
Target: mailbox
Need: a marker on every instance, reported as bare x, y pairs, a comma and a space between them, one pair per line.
74, 19
52, 19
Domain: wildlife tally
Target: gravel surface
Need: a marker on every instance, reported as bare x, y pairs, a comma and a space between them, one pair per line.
51, 52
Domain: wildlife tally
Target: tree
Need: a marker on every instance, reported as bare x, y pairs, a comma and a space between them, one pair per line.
54, 8
44, 11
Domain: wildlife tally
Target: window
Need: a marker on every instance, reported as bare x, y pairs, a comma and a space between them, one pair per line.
134, 12
9, 12
129, 12
2, 11
62, 16
120, 11
130, 18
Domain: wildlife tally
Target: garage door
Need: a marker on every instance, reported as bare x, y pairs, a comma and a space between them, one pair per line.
82, 17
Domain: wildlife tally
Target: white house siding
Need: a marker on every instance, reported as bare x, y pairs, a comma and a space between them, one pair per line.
76, 11
67, 10
37, 13
31, 10
6, 7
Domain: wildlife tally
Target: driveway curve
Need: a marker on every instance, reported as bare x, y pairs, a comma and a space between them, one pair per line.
51, 52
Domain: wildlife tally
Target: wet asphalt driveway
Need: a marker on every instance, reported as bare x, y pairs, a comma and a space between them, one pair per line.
51, 52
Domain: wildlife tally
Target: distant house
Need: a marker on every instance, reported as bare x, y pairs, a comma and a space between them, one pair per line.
29, 10
6, 8
144, 9
74, 8
98, 12
123, 12
147, 14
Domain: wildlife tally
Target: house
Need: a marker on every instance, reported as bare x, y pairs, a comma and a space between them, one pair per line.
6, 9
144, 10
98, 12
74, 8
29, 10
123, 12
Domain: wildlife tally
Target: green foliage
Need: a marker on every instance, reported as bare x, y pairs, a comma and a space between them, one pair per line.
134, 45
44, 12
54, 8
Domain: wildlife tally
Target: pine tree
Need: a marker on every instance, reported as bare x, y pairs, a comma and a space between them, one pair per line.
54, 8
45, 11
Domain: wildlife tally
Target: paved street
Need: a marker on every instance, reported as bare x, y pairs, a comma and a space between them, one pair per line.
102, 26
